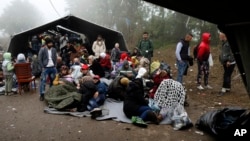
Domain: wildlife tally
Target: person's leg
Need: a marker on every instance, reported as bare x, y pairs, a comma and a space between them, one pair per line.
44, 76
92, 104
227, 76
206, 73
8, 85
199, 75
181, 69
52, 74
143, 112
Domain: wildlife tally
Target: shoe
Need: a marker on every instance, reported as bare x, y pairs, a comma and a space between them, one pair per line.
41, 97
200, 87
208, 87
138, 122
151, 116
96, 112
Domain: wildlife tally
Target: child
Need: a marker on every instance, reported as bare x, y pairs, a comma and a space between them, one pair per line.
8, 71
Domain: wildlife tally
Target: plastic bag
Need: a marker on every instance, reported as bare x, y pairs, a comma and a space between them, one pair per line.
224, 122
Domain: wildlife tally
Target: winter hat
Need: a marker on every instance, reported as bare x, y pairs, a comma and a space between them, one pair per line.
85, 67
124, 81
20, 57
103, 55
142, 71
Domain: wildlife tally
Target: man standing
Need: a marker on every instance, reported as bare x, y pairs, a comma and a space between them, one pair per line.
145, 46
115, 55
228, 62
182, 54
47, 59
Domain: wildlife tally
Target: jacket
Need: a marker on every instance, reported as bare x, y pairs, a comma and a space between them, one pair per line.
134, 98
43, 56
7, 66
204, 48
226, 54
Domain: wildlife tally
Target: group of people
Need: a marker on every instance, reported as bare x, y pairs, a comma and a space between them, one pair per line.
87, 80
202, 54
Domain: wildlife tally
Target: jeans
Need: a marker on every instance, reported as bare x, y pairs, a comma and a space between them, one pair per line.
143, 111
182, 66
47, 72
96, 102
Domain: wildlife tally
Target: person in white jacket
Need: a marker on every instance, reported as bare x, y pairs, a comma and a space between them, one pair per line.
98, 46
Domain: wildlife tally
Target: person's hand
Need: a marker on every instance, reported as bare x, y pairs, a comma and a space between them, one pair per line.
96, 95
228, 64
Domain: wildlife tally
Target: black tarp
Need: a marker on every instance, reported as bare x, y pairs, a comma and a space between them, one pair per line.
230, 16
19, 42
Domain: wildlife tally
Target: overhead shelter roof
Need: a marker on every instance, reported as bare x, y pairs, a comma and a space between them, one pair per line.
230, 16
19, 42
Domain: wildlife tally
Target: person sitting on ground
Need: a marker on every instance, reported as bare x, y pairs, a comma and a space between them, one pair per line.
88, 90
126, 71
63, 75
136, 106
75, 71
105, 61
117, 88
95, 67
161, 74
102, 91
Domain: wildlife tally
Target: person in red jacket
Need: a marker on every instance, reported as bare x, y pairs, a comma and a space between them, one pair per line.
202, 60
105, 61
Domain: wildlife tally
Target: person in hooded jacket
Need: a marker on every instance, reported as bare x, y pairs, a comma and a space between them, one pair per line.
202, 60
135, 105
8, 72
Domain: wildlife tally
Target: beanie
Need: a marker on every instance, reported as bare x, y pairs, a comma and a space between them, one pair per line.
103, 55
21, 57
124, 81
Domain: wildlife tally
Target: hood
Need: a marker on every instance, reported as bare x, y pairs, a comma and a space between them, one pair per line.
205, 37
7, 56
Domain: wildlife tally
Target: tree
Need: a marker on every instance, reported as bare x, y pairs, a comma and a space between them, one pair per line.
20, 15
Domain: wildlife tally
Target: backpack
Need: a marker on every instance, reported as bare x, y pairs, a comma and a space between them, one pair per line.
195, 51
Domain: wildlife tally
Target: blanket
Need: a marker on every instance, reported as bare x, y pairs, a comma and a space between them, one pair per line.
111, 110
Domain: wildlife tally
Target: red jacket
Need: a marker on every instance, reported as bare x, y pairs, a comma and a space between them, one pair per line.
106, 62
204, 48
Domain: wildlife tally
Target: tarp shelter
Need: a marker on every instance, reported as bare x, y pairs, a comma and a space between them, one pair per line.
230, 16
19, 42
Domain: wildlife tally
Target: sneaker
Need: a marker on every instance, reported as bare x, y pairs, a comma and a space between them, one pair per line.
200, 87
208, 87
96, 112
151, 116
41, 97
139, 122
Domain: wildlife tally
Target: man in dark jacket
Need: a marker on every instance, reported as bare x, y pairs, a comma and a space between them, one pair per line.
228, 62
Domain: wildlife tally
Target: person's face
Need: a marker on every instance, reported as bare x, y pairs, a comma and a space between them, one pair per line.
50, 45
222, 36
145, 36
188, 38
84, 71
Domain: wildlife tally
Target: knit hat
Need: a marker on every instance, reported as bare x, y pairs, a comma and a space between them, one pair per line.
20, 57
124, 81
142, 71
103, 55
85, 67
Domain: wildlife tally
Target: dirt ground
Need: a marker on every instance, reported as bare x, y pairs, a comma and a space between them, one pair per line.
22, 117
